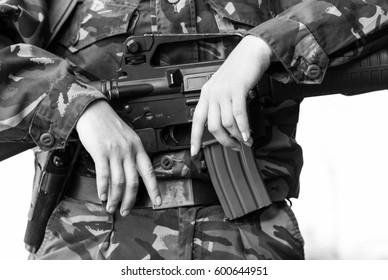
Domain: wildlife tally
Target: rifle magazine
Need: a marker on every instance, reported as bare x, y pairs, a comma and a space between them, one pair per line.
236, 180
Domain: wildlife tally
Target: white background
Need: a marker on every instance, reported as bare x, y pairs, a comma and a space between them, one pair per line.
342, 206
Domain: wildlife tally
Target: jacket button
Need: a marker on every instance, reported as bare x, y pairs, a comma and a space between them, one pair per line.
46, 140
313, 71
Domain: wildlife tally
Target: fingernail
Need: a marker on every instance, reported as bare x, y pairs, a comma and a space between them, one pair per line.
111, 209
249, 142
103, 197
192, 150
245, 136
158, 200
125, 213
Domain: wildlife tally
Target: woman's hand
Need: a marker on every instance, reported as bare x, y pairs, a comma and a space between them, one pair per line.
222, 104
118, 155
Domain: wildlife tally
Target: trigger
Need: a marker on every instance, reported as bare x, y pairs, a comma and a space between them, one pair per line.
171, 134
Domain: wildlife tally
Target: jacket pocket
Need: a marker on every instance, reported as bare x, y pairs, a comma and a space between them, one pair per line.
249, 13
95, 20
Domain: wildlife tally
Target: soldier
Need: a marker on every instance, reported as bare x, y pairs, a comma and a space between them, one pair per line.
49, 51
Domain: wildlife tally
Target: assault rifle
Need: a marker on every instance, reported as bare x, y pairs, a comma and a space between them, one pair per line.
363, 75
159, 102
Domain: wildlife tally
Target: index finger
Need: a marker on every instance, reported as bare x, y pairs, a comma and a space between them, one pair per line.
199, 121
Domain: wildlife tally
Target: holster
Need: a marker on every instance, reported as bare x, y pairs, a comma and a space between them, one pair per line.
52, 170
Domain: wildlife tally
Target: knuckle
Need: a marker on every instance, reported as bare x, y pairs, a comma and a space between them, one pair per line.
133, 183
102, 182
238, 112
103, 177
114, 201
134, 137
208, 90
197, 118
135, 140
213, 129
205, 87
228, 123
150, 171
115, 147
118, 182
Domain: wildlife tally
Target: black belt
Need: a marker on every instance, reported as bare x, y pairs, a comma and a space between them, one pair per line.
174, 193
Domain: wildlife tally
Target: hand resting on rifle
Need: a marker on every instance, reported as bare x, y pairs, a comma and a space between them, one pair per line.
222, 103
118, 155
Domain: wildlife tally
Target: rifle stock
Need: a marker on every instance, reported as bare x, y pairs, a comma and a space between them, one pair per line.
363, 75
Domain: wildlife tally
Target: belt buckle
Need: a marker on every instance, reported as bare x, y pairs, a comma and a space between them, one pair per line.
175, 193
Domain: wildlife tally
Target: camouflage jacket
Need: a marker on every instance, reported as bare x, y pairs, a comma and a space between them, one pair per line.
41, 90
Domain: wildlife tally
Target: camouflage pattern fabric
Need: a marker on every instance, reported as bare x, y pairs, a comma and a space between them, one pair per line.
42, 91
79, 230
341, 23
39, 92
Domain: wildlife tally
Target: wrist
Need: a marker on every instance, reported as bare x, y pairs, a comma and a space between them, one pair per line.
259, 48
93, 109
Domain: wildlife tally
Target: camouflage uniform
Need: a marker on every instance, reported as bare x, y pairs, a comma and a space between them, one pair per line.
42, 97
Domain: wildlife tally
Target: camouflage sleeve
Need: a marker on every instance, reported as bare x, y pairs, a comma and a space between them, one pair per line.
40, 97
307, 37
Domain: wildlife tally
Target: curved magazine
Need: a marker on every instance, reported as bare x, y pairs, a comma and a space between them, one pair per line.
236, 179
